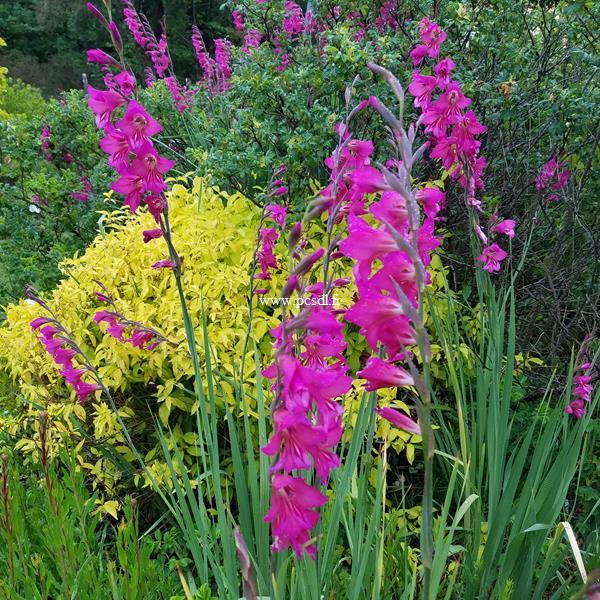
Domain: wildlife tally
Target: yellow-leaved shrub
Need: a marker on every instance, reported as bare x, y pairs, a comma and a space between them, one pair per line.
215, 235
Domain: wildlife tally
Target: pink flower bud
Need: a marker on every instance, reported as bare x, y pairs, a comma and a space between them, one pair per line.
116, 37
164, 264
294, 236
97, 14
151, 234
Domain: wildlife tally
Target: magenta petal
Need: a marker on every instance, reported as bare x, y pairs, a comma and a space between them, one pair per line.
398, 419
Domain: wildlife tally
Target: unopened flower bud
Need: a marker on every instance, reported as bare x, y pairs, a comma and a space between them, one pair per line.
291, 285
116, 37
98, 15
294, 236
307, 263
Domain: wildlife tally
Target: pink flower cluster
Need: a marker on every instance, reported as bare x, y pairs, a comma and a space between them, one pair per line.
252, 40
49, 152
158, 52
390, 260
309, 375
45, 143
454, 130
238, 20
131, 151
127, 141
141, 337
293, 19
310, 370
87, 191
582, 391
143, 35
554, 176
387, 19
268, 236
59, 344
216, 72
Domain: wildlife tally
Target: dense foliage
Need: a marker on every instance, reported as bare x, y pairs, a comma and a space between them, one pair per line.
42, 220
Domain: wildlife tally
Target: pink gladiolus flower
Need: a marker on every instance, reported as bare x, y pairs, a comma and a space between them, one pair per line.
115, 144
126, 82
436, 121
85, 390
282, 190
151, 167
582, 388
74, 378
223, 60
277, 213
432, 35
447, 150
492, 256
427, 241
367, 180
102, 58
180, 95
132, 186
156, 205
399, 420
391, 208
158, 53
577, 408
398, 270
115, 327
381, 374
365, 243
132, 20
103, 104
422, 88
38, 322
266, 257
151, 234
292, 515
452, 102
443, 70
63, 356
432, 199
137, 125
382, 319
418, 54
468, 126
238, 20
507, 227
140, 338
300, 441
164, 264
